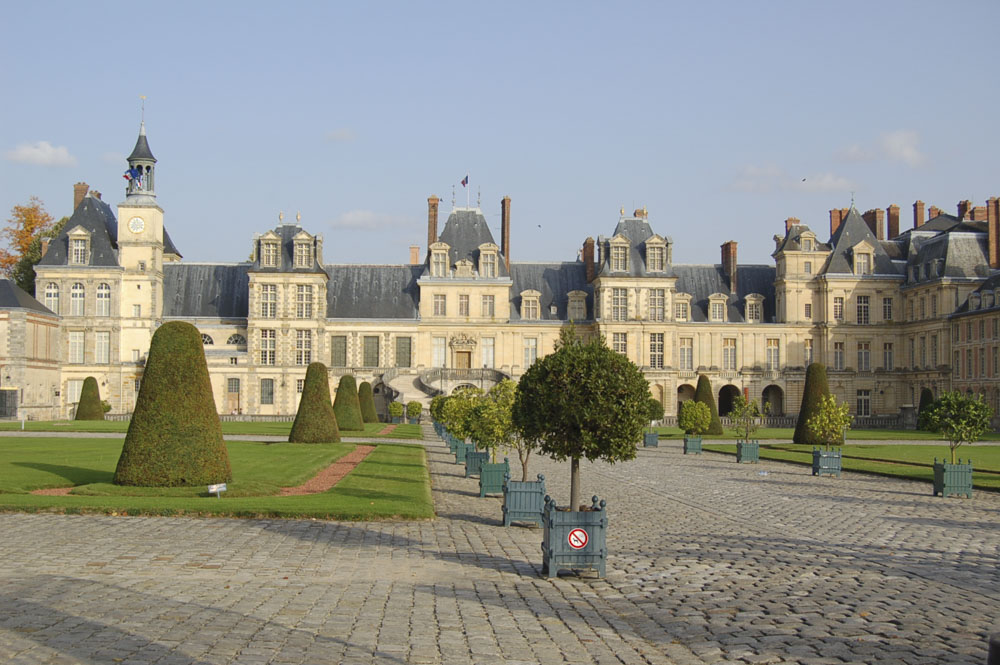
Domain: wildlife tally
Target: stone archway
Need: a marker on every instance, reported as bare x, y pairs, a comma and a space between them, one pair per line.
773, 400
463, 385
727, 394
684, 393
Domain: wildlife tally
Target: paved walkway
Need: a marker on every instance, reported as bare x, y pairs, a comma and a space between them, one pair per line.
710, 562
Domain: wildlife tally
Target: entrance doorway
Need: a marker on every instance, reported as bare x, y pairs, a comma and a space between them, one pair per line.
233, 395
463, 359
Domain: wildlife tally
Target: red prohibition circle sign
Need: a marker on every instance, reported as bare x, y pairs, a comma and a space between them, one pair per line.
578, 539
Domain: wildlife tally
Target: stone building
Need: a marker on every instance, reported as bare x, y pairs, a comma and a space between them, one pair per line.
880, 307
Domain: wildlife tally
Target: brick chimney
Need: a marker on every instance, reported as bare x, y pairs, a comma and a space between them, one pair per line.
432, 220
893, 221
45, 246
836, 218
918, 214
965, 209
96, 194
790, 222
505, 231
875, 219
933, 212
979, 214
993, 231
729, 263
588, 259
414, 255
79, 191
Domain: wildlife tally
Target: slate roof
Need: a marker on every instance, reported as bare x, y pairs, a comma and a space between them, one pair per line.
206, 290
637, 230
96, 217
853, 230
14, 297
465, 230
950, 254
372, 291
991, 284
286, 263
141, 149
168, 244
554, 281
701, 281
793, 240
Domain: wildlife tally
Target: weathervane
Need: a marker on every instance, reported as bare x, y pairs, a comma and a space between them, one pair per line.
453, 196
479, 197
142, 116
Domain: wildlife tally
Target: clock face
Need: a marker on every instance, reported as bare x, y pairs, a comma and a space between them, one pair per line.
136, 225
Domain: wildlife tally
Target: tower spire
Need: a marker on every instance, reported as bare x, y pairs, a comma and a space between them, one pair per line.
141, 163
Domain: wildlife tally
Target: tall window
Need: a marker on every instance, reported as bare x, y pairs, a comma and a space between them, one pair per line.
807, 267
440, 305
864, 403
934, 351
655, 258
807, 352
996, 361
863, 313
923, 352
686, 353
52, 296
530, 351
268, 346
303, 301
76, 347
438, 351
753, 312
657, 300
656, 350
73, 389
488, 305
76, 299
79, 251
137, 310
619, 343
923, 308
577, 310
338, 350
913, 353
619, 258
267, 391
619, 304
269, 301
463, 305
864, 356
863, 264
270, 258
487, 345
370, 347
102, 347
529, 308
103, 300
439, 264
887, 359
887, 309
838, 308
773, 354
403, 351
681, 311
957, 365
718, 311
488, 265
303, 255
729, 354
303, 347
838, 355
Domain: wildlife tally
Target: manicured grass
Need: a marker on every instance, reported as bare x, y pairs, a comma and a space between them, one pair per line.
902, 461
265, 429
769, 433
392, 482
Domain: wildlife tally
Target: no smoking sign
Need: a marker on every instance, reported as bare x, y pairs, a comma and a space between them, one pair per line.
578, 539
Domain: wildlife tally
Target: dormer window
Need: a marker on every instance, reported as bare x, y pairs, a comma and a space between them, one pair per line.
682, 307
863, 264
303, 254
79, 246
269, 254
754, 308
488, 261
974, 301
439, 260
807, 244
529, 305
619, 256
656, 254
577, 308
717, 308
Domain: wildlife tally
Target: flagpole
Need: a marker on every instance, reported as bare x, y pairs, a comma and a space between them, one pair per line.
467, 188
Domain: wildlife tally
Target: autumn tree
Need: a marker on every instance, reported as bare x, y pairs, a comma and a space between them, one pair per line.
25, 224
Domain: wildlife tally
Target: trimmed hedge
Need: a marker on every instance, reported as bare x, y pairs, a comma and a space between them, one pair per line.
703, 394
347, 406
367, 401
90, 406
315, 421
812, 393
174, 438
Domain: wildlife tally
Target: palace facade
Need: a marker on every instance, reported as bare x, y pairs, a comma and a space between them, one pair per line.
888, 311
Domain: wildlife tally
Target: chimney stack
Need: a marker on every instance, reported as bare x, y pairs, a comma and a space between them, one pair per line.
96, 194
934, 212
432, 220
875, 219
965, 209
993, 231
893, 221
45, 246
790, 222
414, 255
918, 214
836, 218
729, 263
505, 231
588, 259
979, 214
79, 191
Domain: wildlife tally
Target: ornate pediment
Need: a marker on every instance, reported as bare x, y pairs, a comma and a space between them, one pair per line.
462, 341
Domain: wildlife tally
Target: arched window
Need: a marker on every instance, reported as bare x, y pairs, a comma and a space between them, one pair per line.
103, 300
237, 340
76, 295
52, 297
206, 340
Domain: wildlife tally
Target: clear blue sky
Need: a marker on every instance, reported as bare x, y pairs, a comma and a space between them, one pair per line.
710, 114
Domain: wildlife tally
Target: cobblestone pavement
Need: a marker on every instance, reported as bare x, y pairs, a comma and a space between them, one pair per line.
710, 562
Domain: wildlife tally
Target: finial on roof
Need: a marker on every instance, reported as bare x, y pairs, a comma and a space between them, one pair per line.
852, 199
453, 196
479, 197
622, 211
298, 216
281, 216
142, 116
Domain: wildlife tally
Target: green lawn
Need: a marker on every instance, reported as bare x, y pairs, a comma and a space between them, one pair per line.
769, 433
903, 461
392, 482
266, 429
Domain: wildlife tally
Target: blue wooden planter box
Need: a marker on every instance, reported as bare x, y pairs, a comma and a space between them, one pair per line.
474, 461
692, 445
491, 477
397, 420
413, 421
826, 462
559, 526
523, 501
651, 440
953, 479
747, 451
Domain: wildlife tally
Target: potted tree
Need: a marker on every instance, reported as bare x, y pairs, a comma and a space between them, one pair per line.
457, 412
396, 412
651, 439
437, 404
492, 429
413, 409
694, 418
829, 425
960, 419
745, 416
582, 401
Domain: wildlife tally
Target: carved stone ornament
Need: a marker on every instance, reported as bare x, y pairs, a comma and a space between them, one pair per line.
462, 340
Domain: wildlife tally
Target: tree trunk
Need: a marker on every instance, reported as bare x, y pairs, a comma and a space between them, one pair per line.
524, 454
574, 485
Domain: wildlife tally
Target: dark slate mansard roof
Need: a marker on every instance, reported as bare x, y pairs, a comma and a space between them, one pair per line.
554, 281
372, 291
14, 297
637, 231
701, 281
286, 263
853, 230
95, 216
206, 290
465, 230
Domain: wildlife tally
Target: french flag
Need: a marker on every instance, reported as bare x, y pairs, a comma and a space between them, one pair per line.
465, 180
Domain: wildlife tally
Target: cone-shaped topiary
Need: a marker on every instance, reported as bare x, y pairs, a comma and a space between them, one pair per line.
90, 407
703, 394
347, 406
315, 421
816, 387
926, 399
367, 401
175, 438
